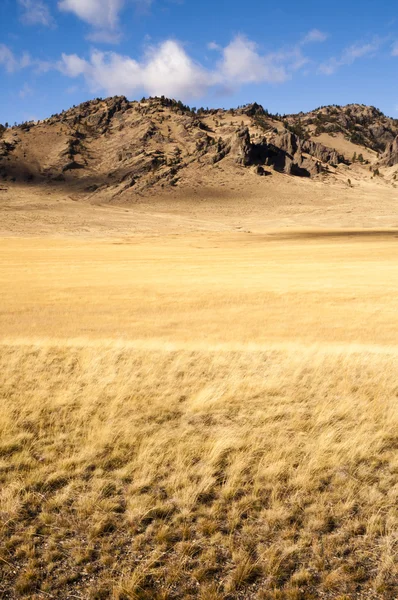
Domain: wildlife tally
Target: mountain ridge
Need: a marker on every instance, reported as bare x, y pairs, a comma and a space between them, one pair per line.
116, 148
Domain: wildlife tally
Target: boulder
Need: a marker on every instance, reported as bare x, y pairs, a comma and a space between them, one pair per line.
259, 170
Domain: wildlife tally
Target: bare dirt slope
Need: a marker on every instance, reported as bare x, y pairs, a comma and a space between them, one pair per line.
219, 203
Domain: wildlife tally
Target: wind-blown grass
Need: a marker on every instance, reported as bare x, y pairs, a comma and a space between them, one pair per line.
129, 472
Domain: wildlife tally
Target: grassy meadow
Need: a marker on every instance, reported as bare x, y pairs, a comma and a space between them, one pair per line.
199, 418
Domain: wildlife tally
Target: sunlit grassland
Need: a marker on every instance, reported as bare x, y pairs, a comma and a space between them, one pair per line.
238, 457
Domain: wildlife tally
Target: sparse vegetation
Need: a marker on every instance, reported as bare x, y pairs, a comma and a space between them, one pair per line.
189, 474
297, 128
206, 456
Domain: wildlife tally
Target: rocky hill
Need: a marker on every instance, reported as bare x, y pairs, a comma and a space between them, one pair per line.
115, 149
361, 125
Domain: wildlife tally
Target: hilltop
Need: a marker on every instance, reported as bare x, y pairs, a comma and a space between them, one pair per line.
114, 149
358, 124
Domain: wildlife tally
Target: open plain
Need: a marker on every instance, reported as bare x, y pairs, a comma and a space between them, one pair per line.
208, 414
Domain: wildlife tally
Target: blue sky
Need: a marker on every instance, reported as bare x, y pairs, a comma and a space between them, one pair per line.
288, 56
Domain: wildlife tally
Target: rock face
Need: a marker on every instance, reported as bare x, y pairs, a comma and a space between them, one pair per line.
293, 145
390, 156
322, 153
242, 147
285, 152
288, 142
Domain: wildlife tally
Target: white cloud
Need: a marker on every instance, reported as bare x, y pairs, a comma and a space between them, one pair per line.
35, 12
349, 56
353, 52
242, 63
100, 14
72, 66
315, 35
294, 58
7, 59
10, 62
213, 46
394, 49
168, 69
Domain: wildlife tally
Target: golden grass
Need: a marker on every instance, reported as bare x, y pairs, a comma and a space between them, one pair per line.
133, 473
239, 443
228, 289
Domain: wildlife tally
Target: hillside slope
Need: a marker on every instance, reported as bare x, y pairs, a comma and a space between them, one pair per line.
113, 149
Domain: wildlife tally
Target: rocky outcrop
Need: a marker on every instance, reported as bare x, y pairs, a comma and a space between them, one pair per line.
288, 142
302, 157
390, 156
323, 153
242, 147
253, 110
283, 154
222, 148
311, 166
293, 145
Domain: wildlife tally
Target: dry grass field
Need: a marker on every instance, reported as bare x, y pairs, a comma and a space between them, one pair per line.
201, 416
198, 349
319, 287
